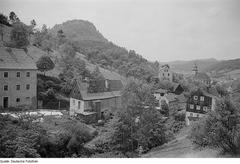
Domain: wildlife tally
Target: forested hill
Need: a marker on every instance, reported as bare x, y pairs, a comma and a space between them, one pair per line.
225, 68
226, 65
98, 50
79, 30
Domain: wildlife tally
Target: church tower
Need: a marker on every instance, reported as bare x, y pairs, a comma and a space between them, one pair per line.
195, 69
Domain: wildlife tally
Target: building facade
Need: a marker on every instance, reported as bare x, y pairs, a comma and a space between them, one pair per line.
18, 79
93, 106
198, 104
165, 73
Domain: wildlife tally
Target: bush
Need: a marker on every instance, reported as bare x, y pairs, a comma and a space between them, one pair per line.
221, 128
21, 139
180, 116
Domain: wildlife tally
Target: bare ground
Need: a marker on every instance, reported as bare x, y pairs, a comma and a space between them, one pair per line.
181, 147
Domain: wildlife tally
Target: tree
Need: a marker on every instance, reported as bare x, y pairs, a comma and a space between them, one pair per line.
32, 26
165, 108
4, 20
67, 50
33, 23
61, 37
41, 36
45, 64
139, 122
46, 45
13, 17
1, 32
19, 35
20, 138
221, 91
220, 129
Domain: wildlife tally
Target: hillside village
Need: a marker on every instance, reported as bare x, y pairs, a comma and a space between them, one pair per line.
91, 98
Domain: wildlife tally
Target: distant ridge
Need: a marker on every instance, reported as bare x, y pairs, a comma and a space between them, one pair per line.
185, 67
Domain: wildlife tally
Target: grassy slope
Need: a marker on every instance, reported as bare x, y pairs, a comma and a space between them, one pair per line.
181, 147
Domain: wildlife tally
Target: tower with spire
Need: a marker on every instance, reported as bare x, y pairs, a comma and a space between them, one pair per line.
195, 69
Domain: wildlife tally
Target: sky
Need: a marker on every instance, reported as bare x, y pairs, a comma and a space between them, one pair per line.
162, 30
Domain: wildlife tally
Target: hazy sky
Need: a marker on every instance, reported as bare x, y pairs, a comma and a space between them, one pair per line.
161, 30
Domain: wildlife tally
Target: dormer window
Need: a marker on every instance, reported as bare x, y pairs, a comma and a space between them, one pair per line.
202, 98
195, 97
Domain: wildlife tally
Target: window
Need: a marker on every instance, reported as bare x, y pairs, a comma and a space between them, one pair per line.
197, 115
5, 87
28, 86
17, 99
191, 106
79, 104
17, 87
73, 101
202, 98
195, 97
198, 107
28, 74
5, 74
205, 108
163, 74
191, 114
18, 74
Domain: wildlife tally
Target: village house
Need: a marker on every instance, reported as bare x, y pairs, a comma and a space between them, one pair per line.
18, 79
200, 76
92, 107
173, 100
165, 73
198, 104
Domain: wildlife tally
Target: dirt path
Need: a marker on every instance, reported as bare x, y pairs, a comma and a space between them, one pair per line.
181, 147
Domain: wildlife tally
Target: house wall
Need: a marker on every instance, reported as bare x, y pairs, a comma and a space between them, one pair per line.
191, 114
74, 106
27, 97
165, 74
208, 102
109, 104
161, 98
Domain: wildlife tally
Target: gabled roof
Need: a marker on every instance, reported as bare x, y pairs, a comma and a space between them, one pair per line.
13, 58
181, 98
100, 96
171, 97
176, 85
84, 95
